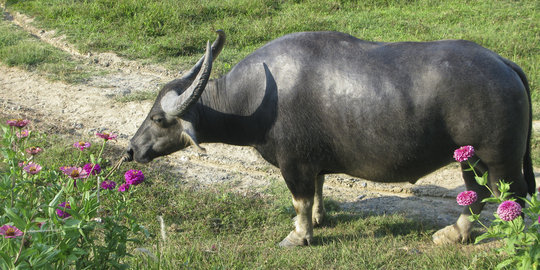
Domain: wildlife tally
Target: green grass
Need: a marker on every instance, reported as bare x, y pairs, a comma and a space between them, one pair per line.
18, 48
213, 228
174, 32
137, 96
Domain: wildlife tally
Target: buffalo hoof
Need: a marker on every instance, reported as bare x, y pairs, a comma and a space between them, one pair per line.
449, 235
318, 218
293, 240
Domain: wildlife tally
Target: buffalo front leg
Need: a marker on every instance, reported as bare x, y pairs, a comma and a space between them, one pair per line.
318, 205
302, 235
301, 184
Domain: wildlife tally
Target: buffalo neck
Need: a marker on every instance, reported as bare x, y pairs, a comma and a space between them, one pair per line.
228, 116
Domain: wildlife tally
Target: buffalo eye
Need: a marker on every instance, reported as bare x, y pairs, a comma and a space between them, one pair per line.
158, 119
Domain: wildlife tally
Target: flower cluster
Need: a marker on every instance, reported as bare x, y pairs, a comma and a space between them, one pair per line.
134, 177
107, 136
92, 169
20, 123
61, 211
81, 145
32, 168
466, 197
123, 187
463, 153
108, 184
34, 150
509, 210
23, 134
9, 231
74, 172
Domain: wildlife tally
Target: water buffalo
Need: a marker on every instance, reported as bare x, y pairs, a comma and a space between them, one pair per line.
315, 103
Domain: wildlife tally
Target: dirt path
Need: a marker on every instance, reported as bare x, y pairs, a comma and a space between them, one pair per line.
90, 107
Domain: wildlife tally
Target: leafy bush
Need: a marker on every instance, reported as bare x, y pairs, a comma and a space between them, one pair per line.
522, 241
67, 217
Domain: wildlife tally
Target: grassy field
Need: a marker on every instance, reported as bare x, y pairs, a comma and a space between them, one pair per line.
174, 32
215, 229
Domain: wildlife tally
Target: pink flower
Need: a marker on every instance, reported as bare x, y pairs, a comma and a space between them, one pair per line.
74, 172
123, 187
463, 153
20, 123
92, 169
106, 136
34, 150
108, 184
134, 177
9, 231
81, 145
466, 197
32, 168
61, 211
509, 210
23, 134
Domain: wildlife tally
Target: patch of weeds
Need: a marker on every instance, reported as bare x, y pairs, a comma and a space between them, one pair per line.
20, 49
137, 96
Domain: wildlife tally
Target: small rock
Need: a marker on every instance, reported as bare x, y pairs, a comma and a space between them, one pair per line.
360, 197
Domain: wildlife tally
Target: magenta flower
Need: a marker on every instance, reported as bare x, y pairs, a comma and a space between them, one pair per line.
74, 172
123, 187
108, 184
34, 150
32, 168
134, 177
466, 197
91, 169
61, 211
81, 145
106, 136
23, 134
463, 153
509, 210
9, 231
20, 123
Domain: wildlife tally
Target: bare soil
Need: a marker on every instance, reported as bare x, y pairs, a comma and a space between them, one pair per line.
90, 107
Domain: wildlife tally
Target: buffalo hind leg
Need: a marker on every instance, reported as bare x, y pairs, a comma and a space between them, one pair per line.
318, 205
461, 230
301, 184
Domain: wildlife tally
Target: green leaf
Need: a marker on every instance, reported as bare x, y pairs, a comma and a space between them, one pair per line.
6, 262
54, 203
491, 200
482, 237
17, 221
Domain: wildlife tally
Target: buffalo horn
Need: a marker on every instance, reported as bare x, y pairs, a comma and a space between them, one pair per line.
216, 49
181, 104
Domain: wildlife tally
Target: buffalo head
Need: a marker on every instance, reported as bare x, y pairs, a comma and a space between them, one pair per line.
165, 129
